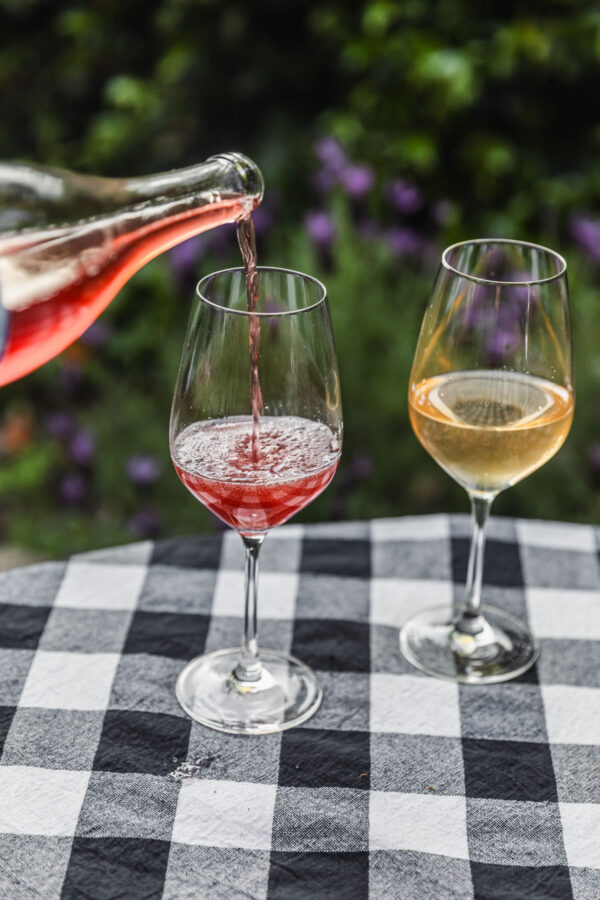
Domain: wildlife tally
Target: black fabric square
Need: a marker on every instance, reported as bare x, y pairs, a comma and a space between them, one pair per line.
308, 876
21, 626
492, 882
105, 868
141, 742
501, 564
6, 716
350, 559
190, 552
333, 645
508, 770
315, 757
531, 676
177, 635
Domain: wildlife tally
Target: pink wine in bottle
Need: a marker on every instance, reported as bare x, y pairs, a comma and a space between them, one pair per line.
36, 333
69, 242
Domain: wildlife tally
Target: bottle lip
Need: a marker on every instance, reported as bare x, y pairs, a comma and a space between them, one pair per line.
322, 300
249, 172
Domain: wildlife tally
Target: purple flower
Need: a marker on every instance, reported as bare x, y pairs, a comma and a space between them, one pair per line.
330, 154
145, 522
273, 306
82, 448
405, 196
97, 334
72, 489
517, 295
263, 219
498, 314
357, 180
184, 256
324, 180
333, 162
403, 241
499, 343
61, 425
320, 228
143, 470
494, 265
479, 300
586, 233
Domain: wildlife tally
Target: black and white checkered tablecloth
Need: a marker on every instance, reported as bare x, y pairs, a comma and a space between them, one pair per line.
401, 786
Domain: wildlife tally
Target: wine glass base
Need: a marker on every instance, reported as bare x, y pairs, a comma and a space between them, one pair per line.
287, 693
431, 643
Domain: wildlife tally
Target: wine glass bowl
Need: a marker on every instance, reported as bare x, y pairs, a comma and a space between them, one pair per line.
491, 399
255, 469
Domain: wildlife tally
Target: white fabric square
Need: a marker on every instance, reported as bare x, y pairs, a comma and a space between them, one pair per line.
282, 555
413, 704
423, 823
232, 552
277, 593
394, 600
556, 535
88, 585
411, 528
40, 801
225, 814
139, 553
572, 714
59, 680
565, 614
581, 830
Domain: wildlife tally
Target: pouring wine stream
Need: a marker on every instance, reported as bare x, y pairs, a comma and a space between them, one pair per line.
247, 241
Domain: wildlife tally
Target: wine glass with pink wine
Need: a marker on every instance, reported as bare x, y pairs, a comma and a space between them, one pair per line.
491, 399
255, 435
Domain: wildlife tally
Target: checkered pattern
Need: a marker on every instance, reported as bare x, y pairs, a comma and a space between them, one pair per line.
401, 786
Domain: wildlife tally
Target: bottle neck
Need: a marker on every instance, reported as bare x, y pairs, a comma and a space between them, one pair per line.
226, 175
42, 197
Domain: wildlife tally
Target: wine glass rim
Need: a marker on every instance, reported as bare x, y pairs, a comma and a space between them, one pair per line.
499, 281
263, 315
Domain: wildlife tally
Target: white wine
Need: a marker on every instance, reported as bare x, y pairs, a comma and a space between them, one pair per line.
489, 429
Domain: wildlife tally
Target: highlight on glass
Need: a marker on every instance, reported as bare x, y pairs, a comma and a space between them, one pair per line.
491, 398
255, 435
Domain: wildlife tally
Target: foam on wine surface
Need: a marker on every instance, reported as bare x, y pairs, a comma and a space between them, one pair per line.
214, 459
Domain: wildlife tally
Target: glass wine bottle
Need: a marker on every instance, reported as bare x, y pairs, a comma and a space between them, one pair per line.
69, 242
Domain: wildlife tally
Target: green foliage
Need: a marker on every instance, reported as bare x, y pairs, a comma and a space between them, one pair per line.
485, 109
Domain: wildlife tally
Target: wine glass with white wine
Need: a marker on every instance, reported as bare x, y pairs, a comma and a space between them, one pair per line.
491, 399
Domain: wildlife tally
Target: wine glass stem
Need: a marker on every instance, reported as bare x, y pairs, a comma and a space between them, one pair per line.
471, 620
249, 668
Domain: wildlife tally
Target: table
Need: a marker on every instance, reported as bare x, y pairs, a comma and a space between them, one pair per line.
401, 786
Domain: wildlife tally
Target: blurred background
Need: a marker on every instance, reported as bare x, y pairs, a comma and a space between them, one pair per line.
385, 130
